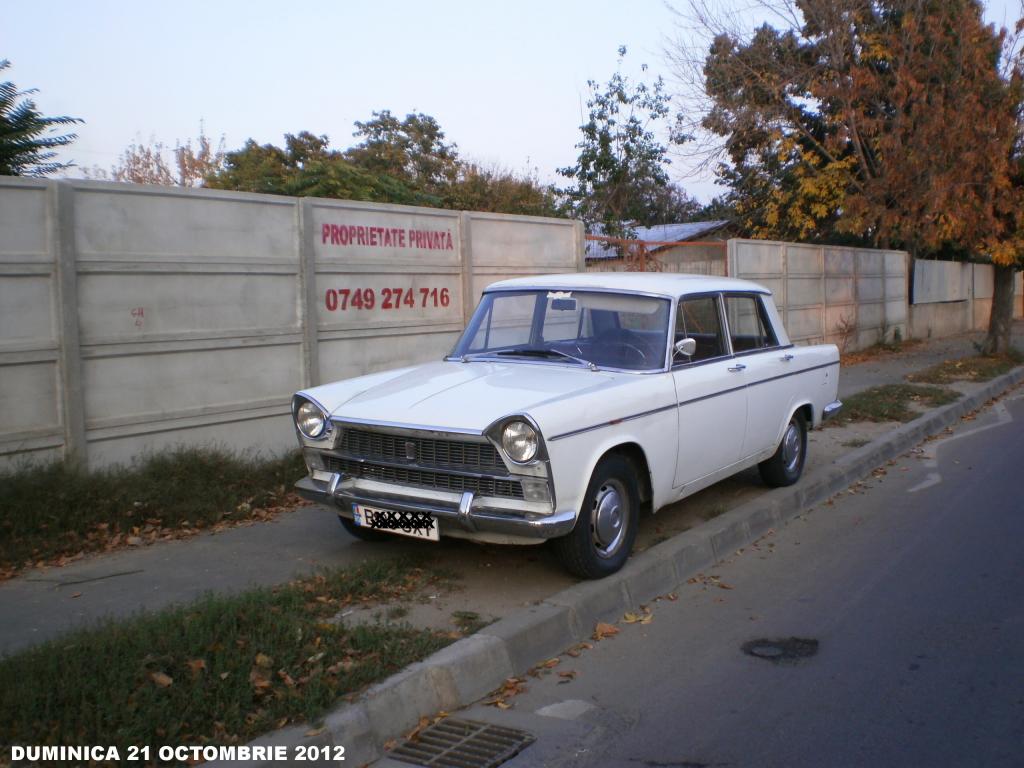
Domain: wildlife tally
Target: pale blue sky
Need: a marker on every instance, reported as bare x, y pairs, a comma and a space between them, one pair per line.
506, 81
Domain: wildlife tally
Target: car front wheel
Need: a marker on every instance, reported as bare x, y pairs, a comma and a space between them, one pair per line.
787, 464
605, 530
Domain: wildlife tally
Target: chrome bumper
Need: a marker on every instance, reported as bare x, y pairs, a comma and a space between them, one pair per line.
462, 514
831, 410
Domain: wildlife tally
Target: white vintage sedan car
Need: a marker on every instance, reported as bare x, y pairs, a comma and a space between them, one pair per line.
570, 404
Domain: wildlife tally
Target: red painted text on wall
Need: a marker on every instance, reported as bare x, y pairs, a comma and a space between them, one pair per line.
386, 237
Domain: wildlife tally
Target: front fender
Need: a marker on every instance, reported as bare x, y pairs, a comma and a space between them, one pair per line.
574, 458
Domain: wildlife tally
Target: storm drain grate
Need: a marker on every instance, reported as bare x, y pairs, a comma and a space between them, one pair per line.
455, 743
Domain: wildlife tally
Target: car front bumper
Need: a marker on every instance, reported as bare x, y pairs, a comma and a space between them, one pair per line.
461, 515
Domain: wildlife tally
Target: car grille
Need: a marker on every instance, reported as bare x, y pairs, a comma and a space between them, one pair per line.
430, 452
424, 478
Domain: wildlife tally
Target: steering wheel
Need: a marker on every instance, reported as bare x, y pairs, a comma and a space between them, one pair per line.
632, 349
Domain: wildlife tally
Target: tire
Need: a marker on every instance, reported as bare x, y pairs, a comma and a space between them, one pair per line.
361, 532
787, 464
605, 530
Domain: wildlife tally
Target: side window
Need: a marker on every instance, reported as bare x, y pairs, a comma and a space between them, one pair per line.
749, 328
698, 319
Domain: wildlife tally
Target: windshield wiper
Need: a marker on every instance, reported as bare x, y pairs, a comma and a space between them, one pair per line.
544, 352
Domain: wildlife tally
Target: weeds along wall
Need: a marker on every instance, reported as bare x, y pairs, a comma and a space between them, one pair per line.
135, 318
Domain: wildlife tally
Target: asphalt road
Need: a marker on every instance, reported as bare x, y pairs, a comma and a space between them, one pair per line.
912, 586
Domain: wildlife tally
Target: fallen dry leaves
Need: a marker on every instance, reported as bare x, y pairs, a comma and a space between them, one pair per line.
709, 580
603, 630
577, 649
643, 617
100, 539
512, 686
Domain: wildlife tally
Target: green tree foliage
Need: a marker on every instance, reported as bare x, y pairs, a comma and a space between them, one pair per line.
412, 151
406, 162
620, 174
479, 188
28, 140
671, 204
307, 166
888, 122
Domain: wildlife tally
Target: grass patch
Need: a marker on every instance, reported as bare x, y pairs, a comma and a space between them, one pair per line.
468, 622
222, 670
879, 350
892, 402
54, 510
978, 368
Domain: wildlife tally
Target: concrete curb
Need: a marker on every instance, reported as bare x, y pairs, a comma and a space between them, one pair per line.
466, 670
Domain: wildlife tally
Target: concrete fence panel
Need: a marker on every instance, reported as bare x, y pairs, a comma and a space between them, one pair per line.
189, 316
30, 321
135, 318
846, 296
503, 246
388, 285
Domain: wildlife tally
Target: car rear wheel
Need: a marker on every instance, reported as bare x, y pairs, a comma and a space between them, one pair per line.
787, 464
605, 530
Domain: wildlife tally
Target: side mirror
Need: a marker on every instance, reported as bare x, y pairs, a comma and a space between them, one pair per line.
686, 346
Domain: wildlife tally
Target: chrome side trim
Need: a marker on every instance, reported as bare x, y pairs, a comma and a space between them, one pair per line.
720, 393
613, 422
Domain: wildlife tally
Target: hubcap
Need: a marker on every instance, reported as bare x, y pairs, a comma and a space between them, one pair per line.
791, 447
608, 518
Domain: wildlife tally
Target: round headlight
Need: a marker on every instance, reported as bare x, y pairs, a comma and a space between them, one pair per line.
519, 440
310, 420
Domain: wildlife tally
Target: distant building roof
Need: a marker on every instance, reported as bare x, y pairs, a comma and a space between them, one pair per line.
672, 233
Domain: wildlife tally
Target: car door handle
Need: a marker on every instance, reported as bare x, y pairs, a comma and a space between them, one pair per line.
738, 367
786, 358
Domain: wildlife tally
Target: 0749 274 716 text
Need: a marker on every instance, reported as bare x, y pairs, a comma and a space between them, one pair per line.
395, 298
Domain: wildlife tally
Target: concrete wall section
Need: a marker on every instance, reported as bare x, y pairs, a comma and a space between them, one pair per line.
844, 296
182, 297
32, 422
136, 318
501, 246
936, 281
388, 285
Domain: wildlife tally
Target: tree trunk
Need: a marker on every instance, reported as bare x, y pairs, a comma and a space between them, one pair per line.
999, 323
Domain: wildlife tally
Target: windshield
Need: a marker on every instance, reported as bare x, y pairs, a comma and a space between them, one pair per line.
608, 330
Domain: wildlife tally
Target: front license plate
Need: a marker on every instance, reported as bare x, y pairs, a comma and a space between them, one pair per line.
418, 525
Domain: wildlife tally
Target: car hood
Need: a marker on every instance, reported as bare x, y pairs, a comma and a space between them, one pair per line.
461, 396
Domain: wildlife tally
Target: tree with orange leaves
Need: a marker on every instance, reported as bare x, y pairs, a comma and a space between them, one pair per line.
887, 122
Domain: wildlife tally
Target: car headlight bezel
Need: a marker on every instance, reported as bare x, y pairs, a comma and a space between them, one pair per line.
311, 420
520, 441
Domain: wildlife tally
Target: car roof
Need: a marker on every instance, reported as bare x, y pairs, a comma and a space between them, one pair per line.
659, 283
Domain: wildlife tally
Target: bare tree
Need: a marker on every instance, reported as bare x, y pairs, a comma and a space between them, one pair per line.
154, 163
